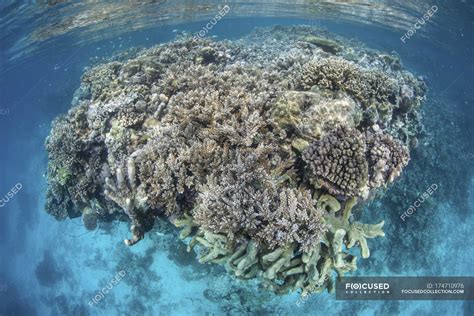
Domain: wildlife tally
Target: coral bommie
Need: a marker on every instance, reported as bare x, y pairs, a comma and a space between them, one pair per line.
258, 154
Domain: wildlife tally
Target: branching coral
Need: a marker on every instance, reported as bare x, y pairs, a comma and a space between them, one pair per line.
379, 92
252, 205
216, 138
339, 74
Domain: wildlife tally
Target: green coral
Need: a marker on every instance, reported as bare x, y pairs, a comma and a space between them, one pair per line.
216, 247
356, 233
188, 223
287, 268
328, 202
62, 175
326, 45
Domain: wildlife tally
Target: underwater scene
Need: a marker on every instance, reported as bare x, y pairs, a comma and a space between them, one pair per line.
258, 157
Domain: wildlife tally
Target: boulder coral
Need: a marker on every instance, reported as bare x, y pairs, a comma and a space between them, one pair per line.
257, 155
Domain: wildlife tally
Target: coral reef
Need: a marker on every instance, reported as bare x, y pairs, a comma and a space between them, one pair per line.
257, 152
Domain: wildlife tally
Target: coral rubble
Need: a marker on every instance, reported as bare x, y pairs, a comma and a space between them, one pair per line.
257, 149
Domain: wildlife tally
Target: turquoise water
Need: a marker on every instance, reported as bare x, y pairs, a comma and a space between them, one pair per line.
50, 267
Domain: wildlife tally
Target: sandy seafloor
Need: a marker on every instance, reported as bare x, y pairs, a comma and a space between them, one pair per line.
55, 268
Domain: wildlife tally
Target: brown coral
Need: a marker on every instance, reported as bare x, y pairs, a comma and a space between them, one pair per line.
387, 157
350, 163
385, 94
251, 205
338, 161
338, 74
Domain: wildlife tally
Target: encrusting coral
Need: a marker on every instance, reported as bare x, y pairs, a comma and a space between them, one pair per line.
257, 152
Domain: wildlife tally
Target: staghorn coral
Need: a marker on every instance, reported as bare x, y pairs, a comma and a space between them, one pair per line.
216, 138
252, 205
293, 220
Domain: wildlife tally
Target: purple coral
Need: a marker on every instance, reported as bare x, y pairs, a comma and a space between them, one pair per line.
350, 163
338, 161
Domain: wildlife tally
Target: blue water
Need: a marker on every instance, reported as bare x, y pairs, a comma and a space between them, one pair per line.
55, 268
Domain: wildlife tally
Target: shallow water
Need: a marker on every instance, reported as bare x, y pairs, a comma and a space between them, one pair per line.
49, 267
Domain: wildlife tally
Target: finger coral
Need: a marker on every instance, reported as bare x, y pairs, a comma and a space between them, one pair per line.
257, 154
338, 160
350, 163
